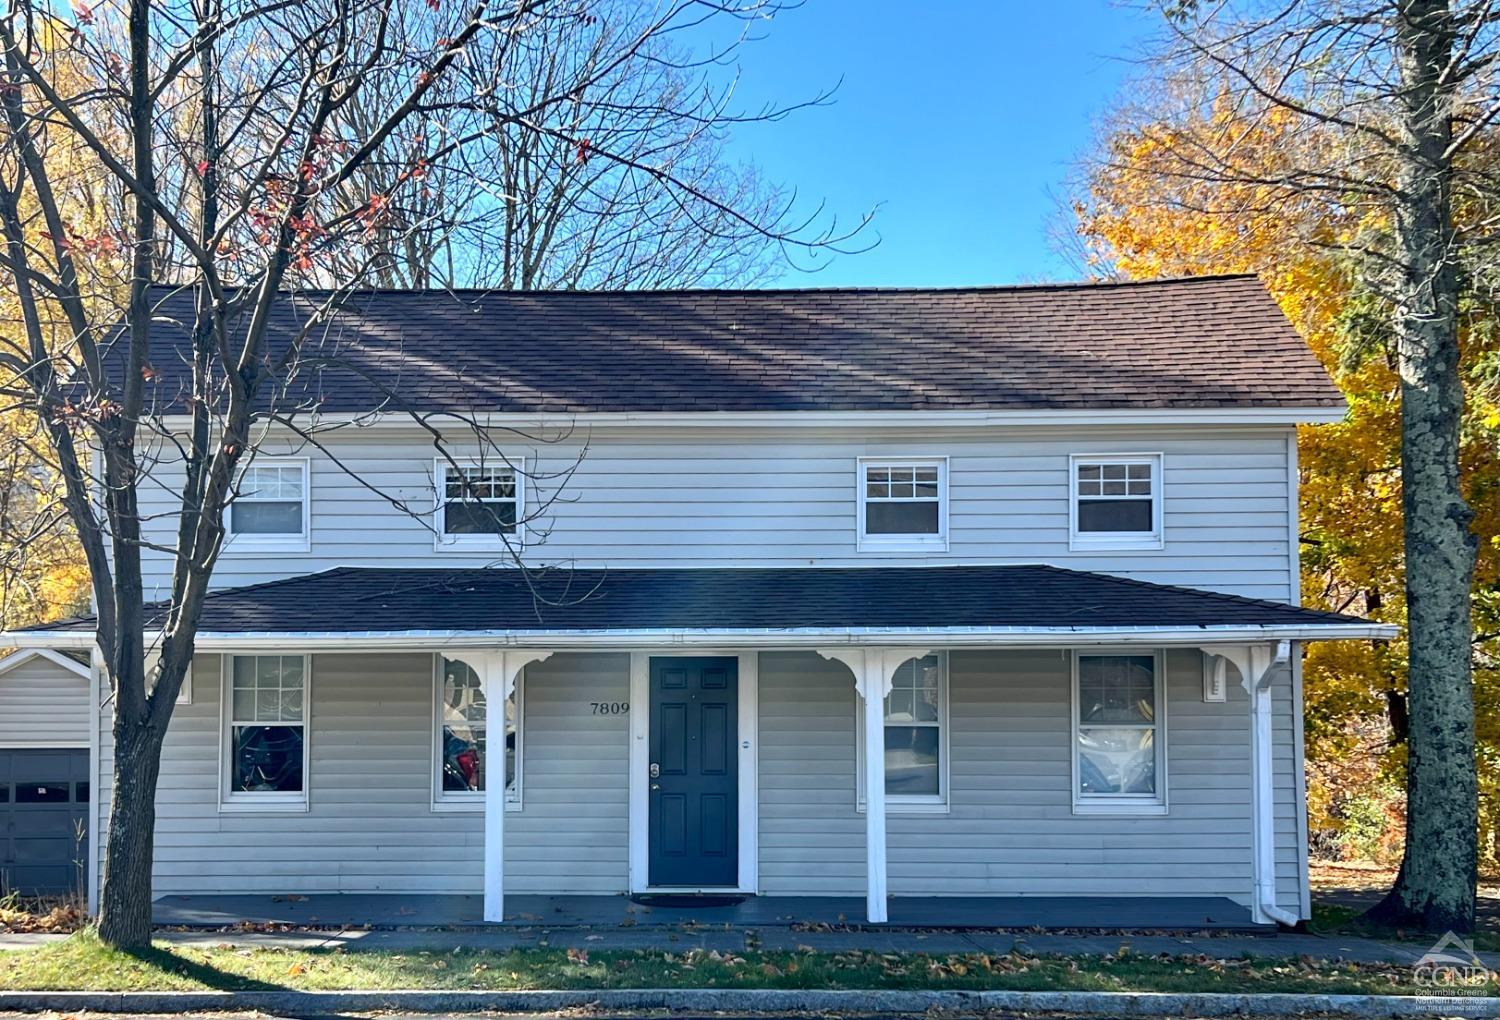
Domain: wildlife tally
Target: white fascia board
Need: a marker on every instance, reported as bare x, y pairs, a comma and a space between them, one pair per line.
847, 419
949, 637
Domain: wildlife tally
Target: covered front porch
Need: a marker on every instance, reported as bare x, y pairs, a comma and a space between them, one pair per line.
1060, 749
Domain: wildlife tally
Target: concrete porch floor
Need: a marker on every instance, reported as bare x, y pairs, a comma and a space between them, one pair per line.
381, 911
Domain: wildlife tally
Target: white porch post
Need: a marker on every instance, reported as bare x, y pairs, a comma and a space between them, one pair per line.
874, 669
498, 671
1257, 665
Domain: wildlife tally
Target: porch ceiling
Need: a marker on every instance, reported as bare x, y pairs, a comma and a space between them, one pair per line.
978, 605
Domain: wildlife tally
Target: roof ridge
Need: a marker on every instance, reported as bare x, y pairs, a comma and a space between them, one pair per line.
1103, 284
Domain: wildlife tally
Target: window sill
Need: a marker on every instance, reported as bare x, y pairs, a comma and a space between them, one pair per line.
1120, 543
902, 545
910, 807
257, 807
1122, 808
257, 544
478, 546
469, 807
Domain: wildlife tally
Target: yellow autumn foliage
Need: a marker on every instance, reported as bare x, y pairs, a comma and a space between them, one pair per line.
1146, 214
42, 573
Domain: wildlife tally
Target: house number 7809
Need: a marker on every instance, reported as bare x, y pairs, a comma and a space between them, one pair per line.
610, 707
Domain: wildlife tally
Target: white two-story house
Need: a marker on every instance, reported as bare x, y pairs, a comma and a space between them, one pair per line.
944, 603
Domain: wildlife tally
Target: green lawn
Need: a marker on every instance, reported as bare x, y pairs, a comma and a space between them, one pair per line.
82, 963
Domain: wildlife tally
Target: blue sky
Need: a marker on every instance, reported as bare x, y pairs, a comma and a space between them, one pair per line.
955, 117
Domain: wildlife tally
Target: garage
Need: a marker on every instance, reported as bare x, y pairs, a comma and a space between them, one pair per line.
44, 772
44, 796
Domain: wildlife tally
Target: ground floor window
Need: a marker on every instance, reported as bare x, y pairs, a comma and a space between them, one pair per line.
1118, 732
916, 732
265, 738
461, 738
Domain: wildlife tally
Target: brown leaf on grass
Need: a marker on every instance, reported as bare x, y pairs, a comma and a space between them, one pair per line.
578, 956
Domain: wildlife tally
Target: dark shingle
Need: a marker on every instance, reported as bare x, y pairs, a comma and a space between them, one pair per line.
357, 600
1200, 342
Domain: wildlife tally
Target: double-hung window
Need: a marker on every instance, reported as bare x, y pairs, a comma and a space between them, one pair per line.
461, 739
265, 732
1116, 501
270, 507
1119, 763
903, 504
916, 737
479, 506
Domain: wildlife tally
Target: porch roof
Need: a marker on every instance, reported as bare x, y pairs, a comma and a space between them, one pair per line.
805, 606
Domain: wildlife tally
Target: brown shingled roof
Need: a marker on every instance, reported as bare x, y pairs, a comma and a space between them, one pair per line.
1185, 343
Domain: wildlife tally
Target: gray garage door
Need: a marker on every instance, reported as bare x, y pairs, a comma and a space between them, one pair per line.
44, 797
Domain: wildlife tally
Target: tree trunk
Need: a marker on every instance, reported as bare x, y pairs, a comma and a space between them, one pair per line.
125, 900
1436, 885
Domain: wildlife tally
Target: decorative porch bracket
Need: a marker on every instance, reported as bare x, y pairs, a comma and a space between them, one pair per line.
874, 671
1257, 665
498, 671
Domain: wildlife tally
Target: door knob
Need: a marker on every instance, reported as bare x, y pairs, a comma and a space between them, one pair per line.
655, 770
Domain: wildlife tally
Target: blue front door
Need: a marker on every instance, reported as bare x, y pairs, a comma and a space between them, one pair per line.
694, 781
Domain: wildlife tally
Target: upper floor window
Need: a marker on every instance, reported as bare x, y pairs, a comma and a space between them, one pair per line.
903, 504
271, 509
1116, 501
479, 506
1119, 764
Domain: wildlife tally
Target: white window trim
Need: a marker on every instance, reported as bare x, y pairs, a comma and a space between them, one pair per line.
447, 800
1118, 539
909, 804
252, 803
901, 543
274, 543
477, 543
1122, 803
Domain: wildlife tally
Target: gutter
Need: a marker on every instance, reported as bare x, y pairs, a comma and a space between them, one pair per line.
606, 639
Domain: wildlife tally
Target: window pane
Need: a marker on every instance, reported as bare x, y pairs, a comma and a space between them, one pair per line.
1116, 689
911, 760
244, 705
901, 518
1139, 471
1120, 761
266, 759
1115, 515
471, 518
265, 518
463, 759
42, 793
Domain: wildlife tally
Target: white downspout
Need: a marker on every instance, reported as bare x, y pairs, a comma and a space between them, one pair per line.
1258, 684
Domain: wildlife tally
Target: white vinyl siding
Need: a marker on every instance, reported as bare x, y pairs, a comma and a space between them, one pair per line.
789, 499
43, 704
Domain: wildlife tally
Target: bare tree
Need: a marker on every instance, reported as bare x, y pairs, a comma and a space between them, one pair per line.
1401, 98
252, 148
543, 211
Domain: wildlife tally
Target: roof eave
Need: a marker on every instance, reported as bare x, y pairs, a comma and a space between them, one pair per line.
1311, 414
810, 637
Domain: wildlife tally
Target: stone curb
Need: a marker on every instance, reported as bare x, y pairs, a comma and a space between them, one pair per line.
705, 1000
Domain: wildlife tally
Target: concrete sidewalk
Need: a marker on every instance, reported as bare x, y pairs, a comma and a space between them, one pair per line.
739, 939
